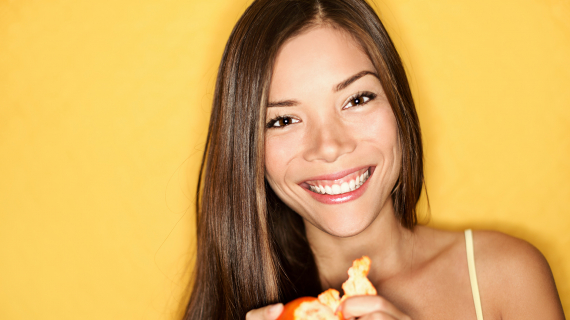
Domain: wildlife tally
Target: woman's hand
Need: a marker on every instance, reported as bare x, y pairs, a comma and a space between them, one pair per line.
270, 312
370, 308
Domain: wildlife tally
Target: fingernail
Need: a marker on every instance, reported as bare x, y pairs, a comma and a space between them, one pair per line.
276, 308
339, 308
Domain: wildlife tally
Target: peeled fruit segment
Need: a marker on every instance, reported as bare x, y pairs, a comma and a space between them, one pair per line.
324, 307
330, 298
358, 283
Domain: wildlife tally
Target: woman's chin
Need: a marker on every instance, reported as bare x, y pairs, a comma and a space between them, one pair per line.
344, 229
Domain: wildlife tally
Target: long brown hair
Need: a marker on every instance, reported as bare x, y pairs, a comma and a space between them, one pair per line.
252, 249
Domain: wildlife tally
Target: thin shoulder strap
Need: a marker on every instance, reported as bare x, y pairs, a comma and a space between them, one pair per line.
473, 274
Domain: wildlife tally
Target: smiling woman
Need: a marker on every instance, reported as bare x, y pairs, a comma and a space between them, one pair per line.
341, 141
314, 158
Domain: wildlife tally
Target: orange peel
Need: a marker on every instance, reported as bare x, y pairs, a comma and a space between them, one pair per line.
324, 307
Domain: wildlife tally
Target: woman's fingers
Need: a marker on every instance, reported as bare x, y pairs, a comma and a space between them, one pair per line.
371, 307
377, 316
270, 312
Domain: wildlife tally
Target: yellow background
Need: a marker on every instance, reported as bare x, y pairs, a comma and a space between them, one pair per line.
103, 114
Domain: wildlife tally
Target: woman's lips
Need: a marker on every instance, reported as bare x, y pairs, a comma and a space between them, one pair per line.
344, 187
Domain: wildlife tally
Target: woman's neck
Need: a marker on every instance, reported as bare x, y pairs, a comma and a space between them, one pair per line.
385, 241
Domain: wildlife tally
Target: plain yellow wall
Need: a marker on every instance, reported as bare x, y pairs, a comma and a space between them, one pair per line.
103, 114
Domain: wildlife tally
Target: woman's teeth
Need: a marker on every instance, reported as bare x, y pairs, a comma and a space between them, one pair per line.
343, 187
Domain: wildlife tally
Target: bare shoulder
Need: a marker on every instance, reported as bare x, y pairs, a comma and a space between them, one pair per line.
498, 248
514, 278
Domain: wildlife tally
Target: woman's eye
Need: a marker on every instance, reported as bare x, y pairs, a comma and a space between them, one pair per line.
281, 121
360, 99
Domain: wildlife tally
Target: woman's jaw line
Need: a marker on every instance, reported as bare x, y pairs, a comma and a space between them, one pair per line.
340, 187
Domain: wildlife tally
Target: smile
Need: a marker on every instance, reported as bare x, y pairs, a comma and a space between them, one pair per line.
339, 187
346, 184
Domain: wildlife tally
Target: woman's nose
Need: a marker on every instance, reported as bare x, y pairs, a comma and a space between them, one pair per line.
328, 141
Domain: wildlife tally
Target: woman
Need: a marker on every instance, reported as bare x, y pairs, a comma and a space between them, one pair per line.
314, 158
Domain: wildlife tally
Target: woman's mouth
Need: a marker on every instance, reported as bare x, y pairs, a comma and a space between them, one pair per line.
346, 184
339, 189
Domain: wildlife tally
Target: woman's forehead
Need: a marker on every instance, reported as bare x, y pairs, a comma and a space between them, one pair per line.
317, 58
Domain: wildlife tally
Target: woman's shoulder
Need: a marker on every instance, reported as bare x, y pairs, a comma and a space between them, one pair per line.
499, 249
507, 259
499, 258
492, 249
514, 277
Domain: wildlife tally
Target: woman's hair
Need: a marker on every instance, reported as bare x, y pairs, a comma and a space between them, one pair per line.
252, 249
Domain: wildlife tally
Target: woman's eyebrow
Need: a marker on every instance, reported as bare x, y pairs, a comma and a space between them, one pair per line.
284, 103
350, 80
337, 88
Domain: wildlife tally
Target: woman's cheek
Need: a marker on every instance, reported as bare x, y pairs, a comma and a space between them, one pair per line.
281, 148
273, 160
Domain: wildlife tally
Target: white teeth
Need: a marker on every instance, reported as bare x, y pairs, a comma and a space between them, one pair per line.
343, 188
335, 189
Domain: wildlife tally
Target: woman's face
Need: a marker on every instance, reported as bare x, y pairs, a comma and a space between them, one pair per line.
332, 151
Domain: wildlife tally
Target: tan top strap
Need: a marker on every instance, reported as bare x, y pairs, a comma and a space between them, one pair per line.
473, 274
